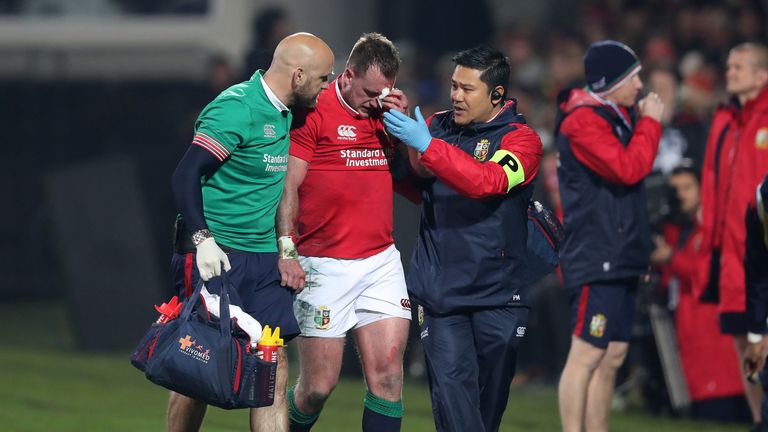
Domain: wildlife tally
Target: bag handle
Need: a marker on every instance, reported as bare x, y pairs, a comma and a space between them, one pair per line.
225, 324
191, 301
225, 327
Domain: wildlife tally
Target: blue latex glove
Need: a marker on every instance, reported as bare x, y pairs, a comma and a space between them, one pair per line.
414, 133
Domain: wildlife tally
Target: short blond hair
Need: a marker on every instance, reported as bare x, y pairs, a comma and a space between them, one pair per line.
759, 53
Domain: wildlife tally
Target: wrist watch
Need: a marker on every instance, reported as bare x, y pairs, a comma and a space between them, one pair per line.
200, 236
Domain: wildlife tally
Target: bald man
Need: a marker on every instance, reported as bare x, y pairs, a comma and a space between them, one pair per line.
227, 187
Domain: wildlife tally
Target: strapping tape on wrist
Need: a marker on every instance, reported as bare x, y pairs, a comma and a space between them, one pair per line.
287, 248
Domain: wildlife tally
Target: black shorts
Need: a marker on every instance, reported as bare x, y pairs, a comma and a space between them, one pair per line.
603, 312
257, 287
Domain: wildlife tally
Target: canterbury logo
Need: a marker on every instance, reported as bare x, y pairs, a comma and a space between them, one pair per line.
346, 131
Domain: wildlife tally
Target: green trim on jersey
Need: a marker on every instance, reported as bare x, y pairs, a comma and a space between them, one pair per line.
240, 198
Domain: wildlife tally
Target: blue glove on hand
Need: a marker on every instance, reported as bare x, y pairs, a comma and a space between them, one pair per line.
414, 133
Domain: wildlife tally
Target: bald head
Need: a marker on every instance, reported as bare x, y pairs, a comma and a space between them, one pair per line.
301, 50
300, 69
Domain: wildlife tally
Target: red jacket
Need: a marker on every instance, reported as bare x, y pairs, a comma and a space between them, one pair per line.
696, 324
735, 161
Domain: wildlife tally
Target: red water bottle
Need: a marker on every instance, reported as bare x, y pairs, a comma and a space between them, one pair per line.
268, 345
169, 311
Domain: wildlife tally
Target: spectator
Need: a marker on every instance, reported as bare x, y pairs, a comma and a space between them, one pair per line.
714, 382
683, 136
604, 157
735, 161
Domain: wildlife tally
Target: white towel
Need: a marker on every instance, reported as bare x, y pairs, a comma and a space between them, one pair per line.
244, 320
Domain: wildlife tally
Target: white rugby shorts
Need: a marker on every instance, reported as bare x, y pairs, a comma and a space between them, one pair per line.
349, 293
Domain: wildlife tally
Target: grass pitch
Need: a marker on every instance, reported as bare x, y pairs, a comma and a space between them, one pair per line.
47, 386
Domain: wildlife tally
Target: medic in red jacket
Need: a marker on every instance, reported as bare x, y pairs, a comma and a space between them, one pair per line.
469, 267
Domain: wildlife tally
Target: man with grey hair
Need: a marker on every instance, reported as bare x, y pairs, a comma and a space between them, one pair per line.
735, 161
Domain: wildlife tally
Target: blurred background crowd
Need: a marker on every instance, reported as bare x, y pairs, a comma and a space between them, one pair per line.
99, 99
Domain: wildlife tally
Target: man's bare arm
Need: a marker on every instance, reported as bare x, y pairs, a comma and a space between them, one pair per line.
291, 272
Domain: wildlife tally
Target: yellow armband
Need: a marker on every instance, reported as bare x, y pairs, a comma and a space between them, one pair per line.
512, 167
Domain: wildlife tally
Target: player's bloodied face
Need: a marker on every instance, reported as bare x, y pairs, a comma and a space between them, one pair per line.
470, 97
362, 92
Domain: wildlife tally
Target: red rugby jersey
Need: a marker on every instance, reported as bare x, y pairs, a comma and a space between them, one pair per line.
345, 201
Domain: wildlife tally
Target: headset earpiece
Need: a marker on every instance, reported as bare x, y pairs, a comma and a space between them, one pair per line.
495, 95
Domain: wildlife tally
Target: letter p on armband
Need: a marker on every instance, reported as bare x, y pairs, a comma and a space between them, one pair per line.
512, 167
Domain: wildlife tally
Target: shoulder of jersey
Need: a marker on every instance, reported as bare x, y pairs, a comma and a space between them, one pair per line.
327, 96
238, 91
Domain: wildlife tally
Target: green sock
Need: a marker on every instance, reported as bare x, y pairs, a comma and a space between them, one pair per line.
297, 417
383, 406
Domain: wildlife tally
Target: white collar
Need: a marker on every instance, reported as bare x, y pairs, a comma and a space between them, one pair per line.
277, 103
338, 94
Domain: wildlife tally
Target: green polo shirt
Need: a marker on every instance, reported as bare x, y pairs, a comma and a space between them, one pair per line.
247, 127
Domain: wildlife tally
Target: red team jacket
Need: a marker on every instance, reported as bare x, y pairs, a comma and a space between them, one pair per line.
471, 251
698, 334
735, 162
602, 163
